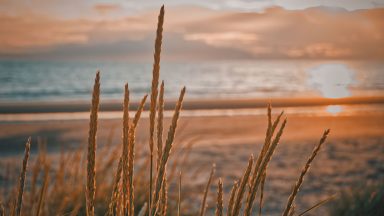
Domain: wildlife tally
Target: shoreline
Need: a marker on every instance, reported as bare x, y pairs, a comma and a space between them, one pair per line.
189, 104
308, 111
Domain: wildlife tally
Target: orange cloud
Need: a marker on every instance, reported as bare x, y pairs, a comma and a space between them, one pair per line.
223, 38
24, 33
106, 8
310, 33
319, 50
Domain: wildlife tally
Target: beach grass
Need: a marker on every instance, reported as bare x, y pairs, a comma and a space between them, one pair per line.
364, 199
105, 182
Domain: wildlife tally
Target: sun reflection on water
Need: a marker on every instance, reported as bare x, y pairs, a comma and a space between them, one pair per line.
332, 80
334, 109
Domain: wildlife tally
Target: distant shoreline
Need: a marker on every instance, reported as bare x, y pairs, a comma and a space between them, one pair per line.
189, 104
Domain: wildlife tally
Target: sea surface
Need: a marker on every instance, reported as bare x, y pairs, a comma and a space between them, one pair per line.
22, 80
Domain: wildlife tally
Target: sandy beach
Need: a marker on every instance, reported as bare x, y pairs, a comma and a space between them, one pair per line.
354, 153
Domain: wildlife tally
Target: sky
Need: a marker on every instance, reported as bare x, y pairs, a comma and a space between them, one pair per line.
193, 29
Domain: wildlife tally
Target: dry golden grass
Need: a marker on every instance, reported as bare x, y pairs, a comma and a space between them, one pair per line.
132, 132
163, 205
154, 92
127, 191
20, 192
242, 187
91, 158
160, 124
262, 192
43, 190
219, 202
303, 172
292, 211
322, 202
179, 197
265, 158
166, 152
204, 200
125, 154
232, 198
268, 137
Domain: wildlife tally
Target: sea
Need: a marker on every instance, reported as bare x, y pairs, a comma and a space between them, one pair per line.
33, 80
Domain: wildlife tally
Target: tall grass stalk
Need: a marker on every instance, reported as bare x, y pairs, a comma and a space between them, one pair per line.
43, 190
164, 196
322, 202
204, 200
20, 193
262, 192
35, 173
166, 152
132, 132
303, 172
115, 189
154, 92
179, 197
219, 202
91, 157
268, 137
160, 117
125, 153
232, 197
292, 211
263, 167
242, 187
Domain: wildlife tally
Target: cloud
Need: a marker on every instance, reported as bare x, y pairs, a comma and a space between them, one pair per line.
104, 9
311, 33
177, 49
201, 33
24, 34
100, 8
222, 38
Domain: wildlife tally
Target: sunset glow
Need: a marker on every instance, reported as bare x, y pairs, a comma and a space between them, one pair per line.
332, 80
226, 30
334, 109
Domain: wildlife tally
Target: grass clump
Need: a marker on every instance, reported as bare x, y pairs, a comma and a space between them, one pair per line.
363, 200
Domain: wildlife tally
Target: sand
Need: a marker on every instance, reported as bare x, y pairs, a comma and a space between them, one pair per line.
353, 154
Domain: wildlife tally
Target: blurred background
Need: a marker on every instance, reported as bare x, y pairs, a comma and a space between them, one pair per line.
321, 61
